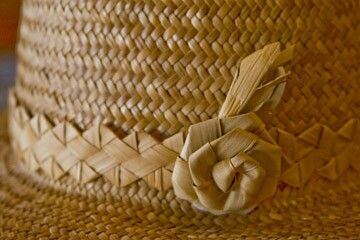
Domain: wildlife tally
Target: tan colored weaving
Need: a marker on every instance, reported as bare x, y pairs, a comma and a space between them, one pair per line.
156, 120
160, 66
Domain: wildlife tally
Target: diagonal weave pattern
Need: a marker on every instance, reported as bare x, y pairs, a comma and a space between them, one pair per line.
99, 80
319, 151
160, 66
32, 210
62, 151
85, 156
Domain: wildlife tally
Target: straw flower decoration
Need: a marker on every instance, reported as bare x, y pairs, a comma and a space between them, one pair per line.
230, 163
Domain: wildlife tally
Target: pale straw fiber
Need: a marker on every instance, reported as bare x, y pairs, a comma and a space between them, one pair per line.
183, 120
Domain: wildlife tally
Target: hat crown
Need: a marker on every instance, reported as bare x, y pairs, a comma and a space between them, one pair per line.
110, 94
162, 66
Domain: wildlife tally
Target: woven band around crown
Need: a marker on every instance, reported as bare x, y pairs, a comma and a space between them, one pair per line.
61, 150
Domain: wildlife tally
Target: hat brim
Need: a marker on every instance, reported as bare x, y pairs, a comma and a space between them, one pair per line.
34, 208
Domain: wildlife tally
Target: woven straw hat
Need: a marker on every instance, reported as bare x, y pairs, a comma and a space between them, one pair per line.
183, 119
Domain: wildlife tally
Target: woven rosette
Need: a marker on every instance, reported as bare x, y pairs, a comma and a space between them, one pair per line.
231, 163
183, 119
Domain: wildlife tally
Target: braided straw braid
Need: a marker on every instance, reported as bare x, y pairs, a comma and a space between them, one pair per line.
81, 158
100, 78
140, 212
60, 150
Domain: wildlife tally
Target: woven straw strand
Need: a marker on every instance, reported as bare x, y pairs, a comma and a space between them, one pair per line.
161, 66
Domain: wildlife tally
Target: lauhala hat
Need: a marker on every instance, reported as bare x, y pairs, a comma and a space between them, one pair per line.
183, 119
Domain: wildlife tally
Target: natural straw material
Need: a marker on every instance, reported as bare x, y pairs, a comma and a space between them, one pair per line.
230, 163
251, 90
123, 80
30, 209
227, 165
303, 155
160, 66
98, 152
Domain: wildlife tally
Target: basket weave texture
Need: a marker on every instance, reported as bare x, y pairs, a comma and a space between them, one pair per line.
32, 210
160, 66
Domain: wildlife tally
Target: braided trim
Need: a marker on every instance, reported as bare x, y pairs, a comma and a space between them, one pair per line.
60, 150
319, 150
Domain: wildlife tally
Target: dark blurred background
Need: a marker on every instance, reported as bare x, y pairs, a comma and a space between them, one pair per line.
9, 15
